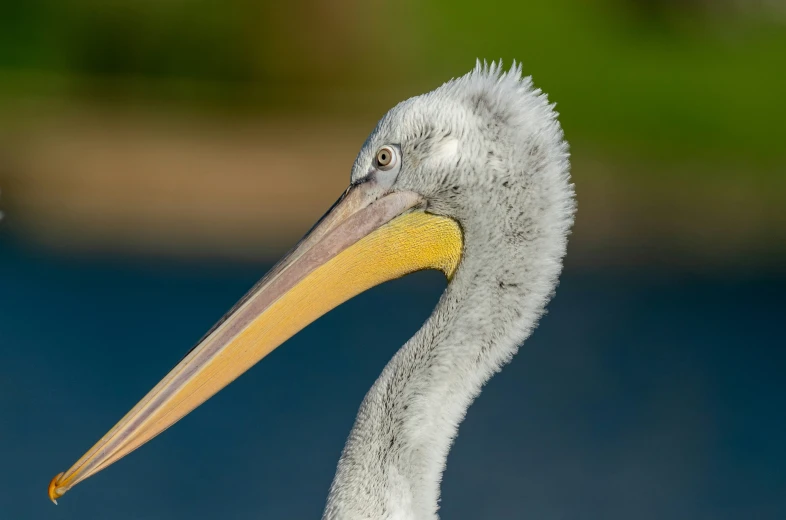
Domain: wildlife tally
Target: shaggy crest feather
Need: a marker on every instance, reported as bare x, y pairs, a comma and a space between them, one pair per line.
485, 149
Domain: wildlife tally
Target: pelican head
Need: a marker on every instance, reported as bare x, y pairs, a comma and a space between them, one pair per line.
471, 179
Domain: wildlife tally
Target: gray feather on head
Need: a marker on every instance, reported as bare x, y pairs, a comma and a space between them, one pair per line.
485, 149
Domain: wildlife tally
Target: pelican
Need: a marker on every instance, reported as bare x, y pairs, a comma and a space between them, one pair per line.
471, 179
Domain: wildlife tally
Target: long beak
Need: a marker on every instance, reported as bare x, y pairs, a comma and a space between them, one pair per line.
364, 240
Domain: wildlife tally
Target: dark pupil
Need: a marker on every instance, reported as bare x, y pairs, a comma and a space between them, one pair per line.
383, 157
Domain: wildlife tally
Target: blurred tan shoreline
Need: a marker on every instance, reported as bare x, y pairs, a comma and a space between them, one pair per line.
224, 129
134, 181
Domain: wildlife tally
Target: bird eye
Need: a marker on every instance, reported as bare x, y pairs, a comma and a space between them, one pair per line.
386, 158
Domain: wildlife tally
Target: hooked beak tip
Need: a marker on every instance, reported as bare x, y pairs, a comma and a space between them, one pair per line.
56, 491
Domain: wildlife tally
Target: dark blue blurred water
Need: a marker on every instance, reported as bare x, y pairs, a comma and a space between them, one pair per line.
643, 394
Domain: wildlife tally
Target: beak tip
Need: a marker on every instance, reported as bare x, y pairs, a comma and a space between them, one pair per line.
56, 491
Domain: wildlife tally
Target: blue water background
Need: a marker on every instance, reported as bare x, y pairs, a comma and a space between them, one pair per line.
645, 393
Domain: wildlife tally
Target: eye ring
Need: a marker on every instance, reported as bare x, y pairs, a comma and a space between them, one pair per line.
386, 158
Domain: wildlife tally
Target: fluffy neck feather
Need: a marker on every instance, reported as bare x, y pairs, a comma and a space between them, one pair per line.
515, 204
393, 461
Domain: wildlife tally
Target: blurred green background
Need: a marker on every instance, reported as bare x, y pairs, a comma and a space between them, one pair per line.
674, 111
156, 156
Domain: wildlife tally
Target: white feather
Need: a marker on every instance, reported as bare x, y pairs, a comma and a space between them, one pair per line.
485, 149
